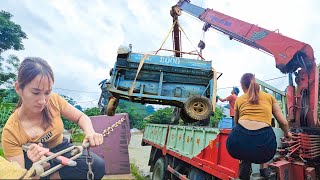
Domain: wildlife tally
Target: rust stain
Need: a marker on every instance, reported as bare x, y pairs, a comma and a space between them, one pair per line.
172, 136
198, 141
211, 144
188, 139
180, 136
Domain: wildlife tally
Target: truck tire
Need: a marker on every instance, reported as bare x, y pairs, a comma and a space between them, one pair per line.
112, 105
175, 116
197, 174
205, 122
198, 108
185, 117
159, 170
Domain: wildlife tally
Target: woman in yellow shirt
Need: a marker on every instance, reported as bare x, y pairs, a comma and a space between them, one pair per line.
37, 120
253, 139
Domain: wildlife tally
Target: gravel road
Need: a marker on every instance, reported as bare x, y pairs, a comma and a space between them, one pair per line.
139, 155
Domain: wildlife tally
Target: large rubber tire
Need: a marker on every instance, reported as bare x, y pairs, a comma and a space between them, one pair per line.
175, 115
198, 108
205, 122
159, 170
185, 117
197, 174
112, 105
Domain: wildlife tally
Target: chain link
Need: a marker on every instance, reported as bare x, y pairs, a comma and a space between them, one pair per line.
108, 130
89, 158
89, 161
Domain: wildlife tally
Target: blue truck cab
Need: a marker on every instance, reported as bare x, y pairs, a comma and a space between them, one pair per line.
187, 84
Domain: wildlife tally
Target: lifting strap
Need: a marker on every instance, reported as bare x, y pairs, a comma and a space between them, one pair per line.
138, 70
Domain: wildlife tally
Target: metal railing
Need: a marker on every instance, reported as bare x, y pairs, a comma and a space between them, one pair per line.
279, 95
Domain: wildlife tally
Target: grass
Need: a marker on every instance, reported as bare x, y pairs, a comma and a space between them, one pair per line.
136, 173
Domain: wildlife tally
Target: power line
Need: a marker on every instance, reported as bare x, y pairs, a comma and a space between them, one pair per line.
88, 101
263, 80
76, 90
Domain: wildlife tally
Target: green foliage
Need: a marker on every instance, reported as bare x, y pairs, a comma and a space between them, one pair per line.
162, 116
8, 96
95, 111
150, 109
136, 172
67, 123
218, 115
5, 111
77, 137
11, 35
137, 112
1, 152
8, 69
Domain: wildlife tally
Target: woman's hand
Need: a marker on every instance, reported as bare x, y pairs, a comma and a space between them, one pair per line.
95, 139
288, 135
36, 152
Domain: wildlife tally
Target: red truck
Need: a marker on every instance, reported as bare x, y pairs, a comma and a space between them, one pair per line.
189, 152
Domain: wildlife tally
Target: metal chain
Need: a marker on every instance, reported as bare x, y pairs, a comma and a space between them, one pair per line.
106, 132
89, 161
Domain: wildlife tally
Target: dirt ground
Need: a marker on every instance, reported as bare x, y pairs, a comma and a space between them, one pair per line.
139, 155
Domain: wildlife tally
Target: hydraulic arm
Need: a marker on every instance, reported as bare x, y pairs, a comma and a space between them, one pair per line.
292, 57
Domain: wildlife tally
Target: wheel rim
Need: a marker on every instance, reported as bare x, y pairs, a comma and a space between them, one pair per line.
199, 108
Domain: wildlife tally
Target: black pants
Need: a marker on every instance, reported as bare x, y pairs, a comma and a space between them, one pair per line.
256, 146
76, 172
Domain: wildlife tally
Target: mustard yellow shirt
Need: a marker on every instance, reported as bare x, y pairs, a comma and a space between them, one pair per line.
13, 135
257, 112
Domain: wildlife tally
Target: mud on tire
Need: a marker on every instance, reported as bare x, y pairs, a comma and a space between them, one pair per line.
198, 108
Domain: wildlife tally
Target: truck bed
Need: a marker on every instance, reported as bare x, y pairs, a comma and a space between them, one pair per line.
202, 147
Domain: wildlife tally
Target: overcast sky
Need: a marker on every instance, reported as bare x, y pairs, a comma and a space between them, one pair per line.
79, 39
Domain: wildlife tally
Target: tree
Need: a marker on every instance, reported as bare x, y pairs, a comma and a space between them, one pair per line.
8, 70
69, 124
8, 95
218, 115
162, 116
11, 35
95, 111
137, 112
150, 109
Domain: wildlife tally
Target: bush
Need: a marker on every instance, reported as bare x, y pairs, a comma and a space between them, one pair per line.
5, 111
218, 115
77, 137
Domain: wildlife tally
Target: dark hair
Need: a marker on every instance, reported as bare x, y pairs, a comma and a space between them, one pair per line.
30, 68
236, 90
249, 82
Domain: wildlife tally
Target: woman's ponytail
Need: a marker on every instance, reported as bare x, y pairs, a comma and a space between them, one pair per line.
253, 92
249, 82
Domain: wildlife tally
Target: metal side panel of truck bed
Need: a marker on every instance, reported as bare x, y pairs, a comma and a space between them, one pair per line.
201, 147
